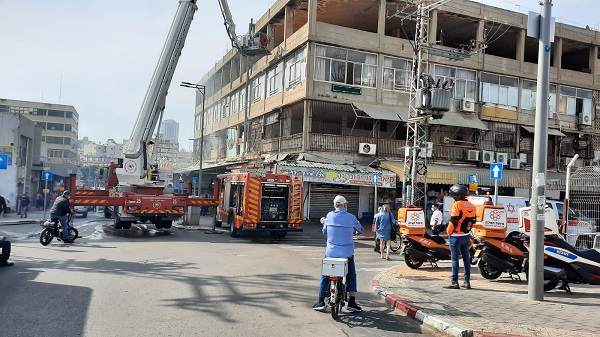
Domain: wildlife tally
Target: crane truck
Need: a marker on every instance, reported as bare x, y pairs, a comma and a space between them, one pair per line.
137, 189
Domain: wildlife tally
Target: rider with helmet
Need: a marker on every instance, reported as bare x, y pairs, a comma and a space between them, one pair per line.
60, 210
339, 226
462, 218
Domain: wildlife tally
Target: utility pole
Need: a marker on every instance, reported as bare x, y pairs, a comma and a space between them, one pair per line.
539, 26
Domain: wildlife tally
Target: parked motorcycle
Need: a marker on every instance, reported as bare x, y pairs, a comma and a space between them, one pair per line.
497, 253
420, 247
53, 229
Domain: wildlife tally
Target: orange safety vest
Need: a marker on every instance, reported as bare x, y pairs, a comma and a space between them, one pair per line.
462, 217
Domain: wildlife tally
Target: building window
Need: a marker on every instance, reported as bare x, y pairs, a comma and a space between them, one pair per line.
500, 90
574, 100
295, 68
226, 106
256, 90
56, 113
397, 74
54, 140
55, 126
465, 81
529, 96
345, 66
234, 103
242, 99
274, 79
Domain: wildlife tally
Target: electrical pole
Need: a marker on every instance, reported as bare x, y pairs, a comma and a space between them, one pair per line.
538, 189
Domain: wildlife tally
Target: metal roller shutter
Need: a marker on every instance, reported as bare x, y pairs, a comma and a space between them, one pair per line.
321, 199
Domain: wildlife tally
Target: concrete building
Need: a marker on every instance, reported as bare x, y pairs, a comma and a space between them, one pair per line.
170, 130
331, 101
166, 153
92, 153
20, 146
59, 125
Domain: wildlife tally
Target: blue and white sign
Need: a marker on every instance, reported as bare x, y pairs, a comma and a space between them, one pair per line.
178, 184
3, 161
46, 175
473, 179
496, 171
194, 180
375, 178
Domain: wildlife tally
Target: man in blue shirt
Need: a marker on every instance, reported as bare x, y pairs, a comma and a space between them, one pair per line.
339, 226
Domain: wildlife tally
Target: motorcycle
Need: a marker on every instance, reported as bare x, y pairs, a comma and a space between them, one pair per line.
562, 262
53, 229
420, 247
496, 252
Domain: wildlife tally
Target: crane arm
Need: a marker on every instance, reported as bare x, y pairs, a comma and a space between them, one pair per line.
229, 25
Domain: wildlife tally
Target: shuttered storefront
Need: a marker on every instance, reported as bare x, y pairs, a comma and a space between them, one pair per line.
322, 195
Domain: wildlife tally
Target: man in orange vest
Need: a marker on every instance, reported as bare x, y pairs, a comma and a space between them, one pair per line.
462, 218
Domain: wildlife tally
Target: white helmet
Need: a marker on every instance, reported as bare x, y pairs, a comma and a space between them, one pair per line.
339, 200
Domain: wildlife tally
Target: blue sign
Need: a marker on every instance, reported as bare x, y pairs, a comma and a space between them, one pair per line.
46, 175
375, 178
178, 183
473, 179
194, 180
496, 171
3, 161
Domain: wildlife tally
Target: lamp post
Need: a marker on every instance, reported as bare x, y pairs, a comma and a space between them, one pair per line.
202, 89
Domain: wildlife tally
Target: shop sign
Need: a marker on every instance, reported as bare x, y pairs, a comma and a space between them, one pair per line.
319, 175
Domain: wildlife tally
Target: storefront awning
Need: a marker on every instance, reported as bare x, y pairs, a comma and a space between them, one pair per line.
388, 113
447, 174
461, 120
551, 132
205, 167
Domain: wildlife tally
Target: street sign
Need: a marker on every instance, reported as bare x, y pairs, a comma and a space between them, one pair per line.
46, 175
496, 171
3, 161
194, 180
473, 178
178, 183
375, 178
46, 191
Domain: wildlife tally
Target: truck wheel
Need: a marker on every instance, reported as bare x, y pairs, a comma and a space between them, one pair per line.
166, 224
117, 221
158, 223
126, 224
107, 212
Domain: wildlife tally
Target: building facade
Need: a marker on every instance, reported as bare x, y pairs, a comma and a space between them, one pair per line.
170, 130
335, 90
59, 124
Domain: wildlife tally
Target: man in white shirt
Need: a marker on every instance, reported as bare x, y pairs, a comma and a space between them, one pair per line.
436, 219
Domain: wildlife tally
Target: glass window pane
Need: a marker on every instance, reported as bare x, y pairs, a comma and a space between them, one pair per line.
459, 88
553, 88
489, 78
494, 92
526, 102
355, 56
571, 105
503, 95
509, 81
466, 74
513, 96
485, 94
388, 79
471, 89
582, 93
338, 71
529, 85
335, 53
551, 103
587, 105
564, 90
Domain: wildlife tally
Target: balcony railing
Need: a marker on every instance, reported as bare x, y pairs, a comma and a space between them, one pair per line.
349, 144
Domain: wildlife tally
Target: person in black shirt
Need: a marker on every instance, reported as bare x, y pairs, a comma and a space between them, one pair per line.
24, 203
61, 209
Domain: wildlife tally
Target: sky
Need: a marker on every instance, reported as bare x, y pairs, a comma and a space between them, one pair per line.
99, 55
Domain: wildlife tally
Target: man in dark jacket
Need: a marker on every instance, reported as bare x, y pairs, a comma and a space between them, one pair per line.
61, 209
24, 203
5, 246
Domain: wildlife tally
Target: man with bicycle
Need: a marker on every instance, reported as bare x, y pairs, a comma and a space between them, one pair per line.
339, 226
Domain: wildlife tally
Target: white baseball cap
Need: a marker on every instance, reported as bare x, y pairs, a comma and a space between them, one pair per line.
339, 200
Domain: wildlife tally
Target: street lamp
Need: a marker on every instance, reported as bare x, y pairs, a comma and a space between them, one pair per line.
202, 89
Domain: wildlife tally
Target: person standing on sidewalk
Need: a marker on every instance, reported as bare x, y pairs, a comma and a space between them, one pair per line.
61, 209
339, 226
24, 202
384, 222
462, 218
436, 219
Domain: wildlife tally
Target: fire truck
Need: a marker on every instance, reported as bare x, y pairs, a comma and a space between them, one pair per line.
259, 201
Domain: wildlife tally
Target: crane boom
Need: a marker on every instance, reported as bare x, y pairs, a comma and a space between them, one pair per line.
229, 25
135, 163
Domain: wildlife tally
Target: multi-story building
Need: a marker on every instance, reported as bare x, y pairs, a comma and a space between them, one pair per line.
92, 153
59, 125
331, 101
170, 130
166, 153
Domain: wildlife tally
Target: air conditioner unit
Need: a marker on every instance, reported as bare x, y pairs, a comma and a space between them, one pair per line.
515, 164
585, 118
487, 157
564, 161
473, 155
467, 105
367, 148
427, 150
502, 158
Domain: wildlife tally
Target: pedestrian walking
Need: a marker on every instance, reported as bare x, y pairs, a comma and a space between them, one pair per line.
462, 218
3, 208
436, 219
384, 222
24, 204
39, 201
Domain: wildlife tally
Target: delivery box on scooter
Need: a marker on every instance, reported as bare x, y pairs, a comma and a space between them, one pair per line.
491, 221
411, 221
550, 226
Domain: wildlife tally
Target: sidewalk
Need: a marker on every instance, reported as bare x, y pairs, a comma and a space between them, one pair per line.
492, 308
33, 216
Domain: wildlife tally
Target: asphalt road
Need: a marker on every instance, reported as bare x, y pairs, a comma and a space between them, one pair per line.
184, 283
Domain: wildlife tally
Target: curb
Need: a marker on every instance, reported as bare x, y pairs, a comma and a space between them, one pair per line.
417, 312
20, 222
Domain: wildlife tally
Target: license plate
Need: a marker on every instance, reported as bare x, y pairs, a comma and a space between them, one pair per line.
477, 253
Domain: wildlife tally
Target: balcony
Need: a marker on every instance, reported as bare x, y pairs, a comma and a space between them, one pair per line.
349, 144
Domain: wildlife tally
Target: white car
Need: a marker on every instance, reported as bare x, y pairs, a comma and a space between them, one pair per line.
83, 210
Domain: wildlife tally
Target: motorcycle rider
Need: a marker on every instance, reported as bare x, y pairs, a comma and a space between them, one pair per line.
339, 226
462, 218
61, 209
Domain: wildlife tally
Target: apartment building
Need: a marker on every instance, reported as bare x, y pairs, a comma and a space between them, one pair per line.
59, 125
331, 101
92, 153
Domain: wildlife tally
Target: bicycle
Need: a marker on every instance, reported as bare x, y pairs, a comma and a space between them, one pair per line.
335, 269
396, 242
